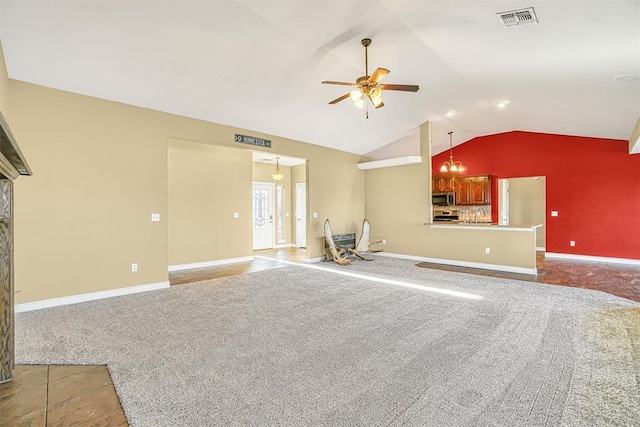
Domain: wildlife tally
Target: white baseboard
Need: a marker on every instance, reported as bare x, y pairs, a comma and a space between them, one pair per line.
74, 299
627, 261
541, 248
318, 259
284, 245
457, 263
179, 267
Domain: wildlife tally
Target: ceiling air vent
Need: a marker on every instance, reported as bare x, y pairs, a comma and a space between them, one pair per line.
517, 18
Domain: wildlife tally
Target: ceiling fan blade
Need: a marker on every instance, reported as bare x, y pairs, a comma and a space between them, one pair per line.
378, 75
343, 97
327, 82
406, 88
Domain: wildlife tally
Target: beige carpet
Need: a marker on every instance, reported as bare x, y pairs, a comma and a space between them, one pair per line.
400, 345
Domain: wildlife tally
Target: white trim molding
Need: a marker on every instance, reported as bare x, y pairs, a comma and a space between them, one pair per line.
627, 261
179, 267
317, 259
397, 161
540, 248
92, 296
284, 245
457, 263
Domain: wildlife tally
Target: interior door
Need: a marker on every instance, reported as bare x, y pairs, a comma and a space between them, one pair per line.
301, 214
263, 202
503, 201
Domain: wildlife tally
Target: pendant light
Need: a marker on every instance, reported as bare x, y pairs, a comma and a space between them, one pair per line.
450, 165
277, 176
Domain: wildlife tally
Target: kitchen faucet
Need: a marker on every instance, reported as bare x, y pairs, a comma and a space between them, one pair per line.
478, 209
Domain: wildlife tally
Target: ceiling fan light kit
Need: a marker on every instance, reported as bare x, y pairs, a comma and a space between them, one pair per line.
368, 86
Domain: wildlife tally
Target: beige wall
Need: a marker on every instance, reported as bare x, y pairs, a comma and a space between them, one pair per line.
4, 83
335, 192
397, 205
262, 173
206, 185
101, 170
397, 202
634, 140
83, 218
527, 201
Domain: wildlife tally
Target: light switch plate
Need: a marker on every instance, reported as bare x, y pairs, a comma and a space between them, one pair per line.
236, 215
315, 214
554, 213
155, 217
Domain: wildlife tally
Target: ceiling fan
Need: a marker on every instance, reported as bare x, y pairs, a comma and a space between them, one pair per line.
368, 86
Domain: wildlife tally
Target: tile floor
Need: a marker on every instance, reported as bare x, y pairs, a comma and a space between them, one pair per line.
617, 279
57, 395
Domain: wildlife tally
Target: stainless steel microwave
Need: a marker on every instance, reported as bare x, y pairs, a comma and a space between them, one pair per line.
443, 199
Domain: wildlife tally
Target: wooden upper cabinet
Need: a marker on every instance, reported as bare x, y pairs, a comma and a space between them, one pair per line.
442, 184
470, 190
480, 190
462, 191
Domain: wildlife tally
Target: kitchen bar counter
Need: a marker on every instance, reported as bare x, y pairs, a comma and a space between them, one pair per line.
484, 226
485, 245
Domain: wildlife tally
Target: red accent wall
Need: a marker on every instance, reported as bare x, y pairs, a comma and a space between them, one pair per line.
593, 183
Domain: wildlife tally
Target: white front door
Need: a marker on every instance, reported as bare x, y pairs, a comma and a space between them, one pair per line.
301, 214
262, 215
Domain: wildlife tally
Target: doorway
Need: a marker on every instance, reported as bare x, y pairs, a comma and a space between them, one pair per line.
263, 208
522, 201
301, 214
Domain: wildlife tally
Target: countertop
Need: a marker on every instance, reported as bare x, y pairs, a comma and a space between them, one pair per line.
484, 226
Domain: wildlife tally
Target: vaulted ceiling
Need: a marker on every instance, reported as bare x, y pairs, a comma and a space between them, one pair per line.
258, 65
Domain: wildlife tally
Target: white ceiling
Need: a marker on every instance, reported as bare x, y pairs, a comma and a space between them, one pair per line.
258, 65
265, 157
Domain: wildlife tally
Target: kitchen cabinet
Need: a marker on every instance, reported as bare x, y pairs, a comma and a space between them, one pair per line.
473, 190
442, 184
470, 190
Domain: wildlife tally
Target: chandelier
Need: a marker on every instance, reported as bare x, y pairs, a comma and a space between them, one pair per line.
277, 176
450, 165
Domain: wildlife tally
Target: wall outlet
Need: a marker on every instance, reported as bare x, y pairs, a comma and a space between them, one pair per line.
554, 213
384, 241
155, 217
487, 250
572, 243
236, 214
315, 214
134, 266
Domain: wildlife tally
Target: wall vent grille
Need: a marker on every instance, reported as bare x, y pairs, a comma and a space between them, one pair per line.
517, 18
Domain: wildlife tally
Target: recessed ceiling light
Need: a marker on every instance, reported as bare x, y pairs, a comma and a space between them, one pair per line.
627, 77
502, 103
450, 113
